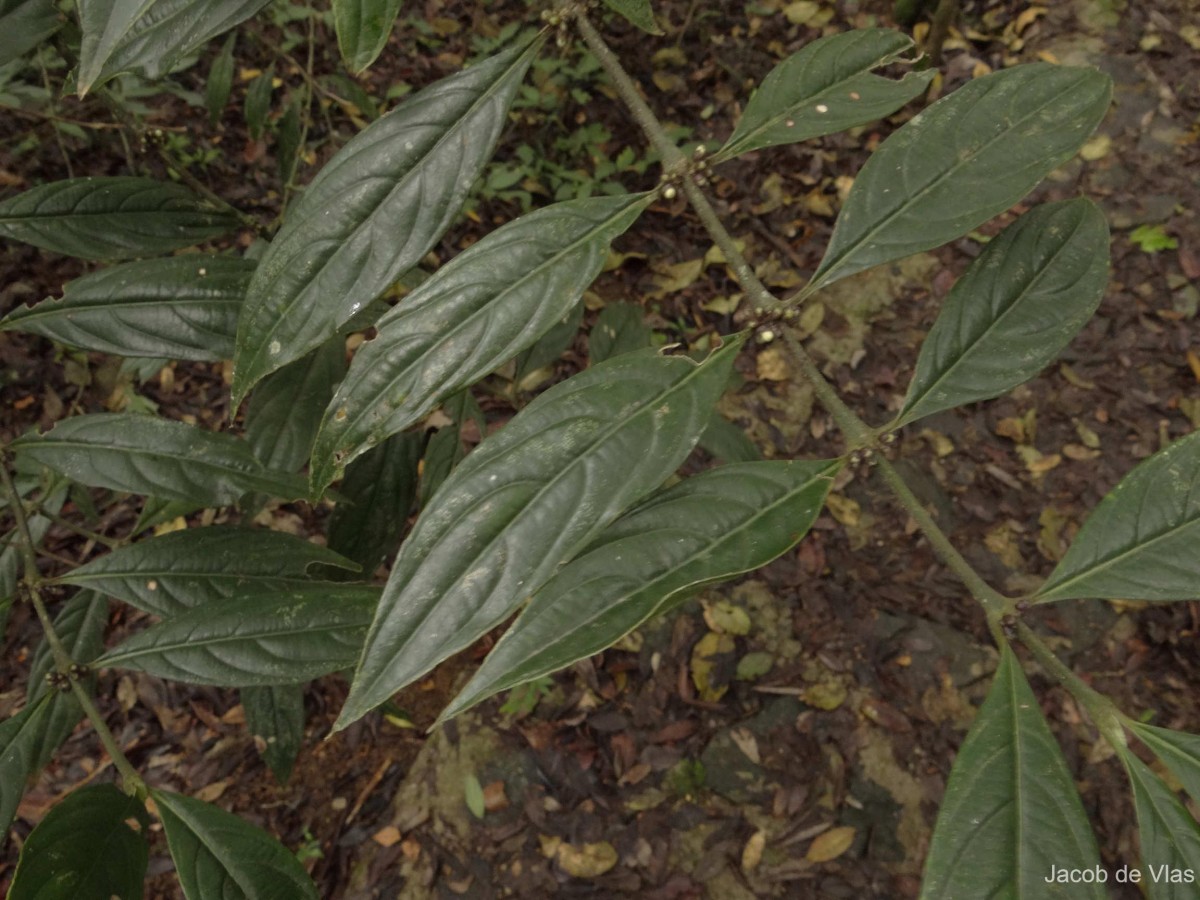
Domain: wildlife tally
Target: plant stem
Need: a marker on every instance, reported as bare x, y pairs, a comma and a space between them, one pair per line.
858, 433
62, 658
1103, 712
110, 543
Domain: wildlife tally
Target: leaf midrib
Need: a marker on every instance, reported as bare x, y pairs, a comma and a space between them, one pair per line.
987, 332
928, 188
484, 311
281, 314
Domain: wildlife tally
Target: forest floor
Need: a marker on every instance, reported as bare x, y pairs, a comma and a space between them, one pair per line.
810, 756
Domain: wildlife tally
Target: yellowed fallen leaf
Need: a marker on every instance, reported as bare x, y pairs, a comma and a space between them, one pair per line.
845, 510
800, 12
827, 695
753, 851
810, 320
675, 277
1096, 148
830, 844
386, 836
704, 659
772, 365
942, 445
1027, 17
586, 860
726, 618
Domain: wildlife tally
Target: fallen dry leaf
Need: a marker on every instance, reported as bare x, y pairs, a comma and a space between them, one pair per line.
386, 836
831, 844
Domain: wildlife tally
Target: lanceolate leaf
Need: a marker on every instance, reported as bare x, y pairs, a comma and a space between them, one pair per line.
373, 212
638, 12
286, 407
362, 28
492, 301
218, 854
728, 442
963, 160
379, 490
528, 498
85, 848
707, 528
19, 737
149, 36
1014, 309
620, 328
257, 640
1179, 752
445, 449
111, 218
80, 626
1011, 811
276, 716
178, 307
1169, 836
145, 455
172, 573
824, 88
220, 81
1140, 542
24, 24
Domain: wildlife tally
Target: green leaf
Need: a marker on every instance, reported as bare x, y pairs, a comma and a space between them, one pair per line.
445, 448
258, 103
178, 307
1152, 238
287, 141
80, 626
727, 441
83, 848
489, 303
1011, 810
24, 24
10, 556
550, 346
1139, 543
111, 218
218, 854
254, 640
620, 328
636, 11
362, 28
19, 738
174, 572
220, 81
1169, 836
276, 716
528, 498
705, 529
379, 490
149, 37
473, 795
144, 455
1029, 292
156, 511
826, 87
286, 407
1179, 752
961, 161
373, 212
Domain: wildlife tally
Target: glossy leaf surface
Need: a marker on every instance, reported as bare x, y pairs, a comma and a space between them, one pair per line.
1020, 302
966, 158
826, 87
362, 29
639, 12
24, 24
1011, 810
84, 848
255, 640
220, 81
705, 529
144, 455
286, 407
174, 572
149, 36
111, 218
477, 312
1179, 752
1167, 832
19, 739
527, 499
178, 307
1139, 543
379, 488
220, 855
80, 626
275, 715
370, 215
